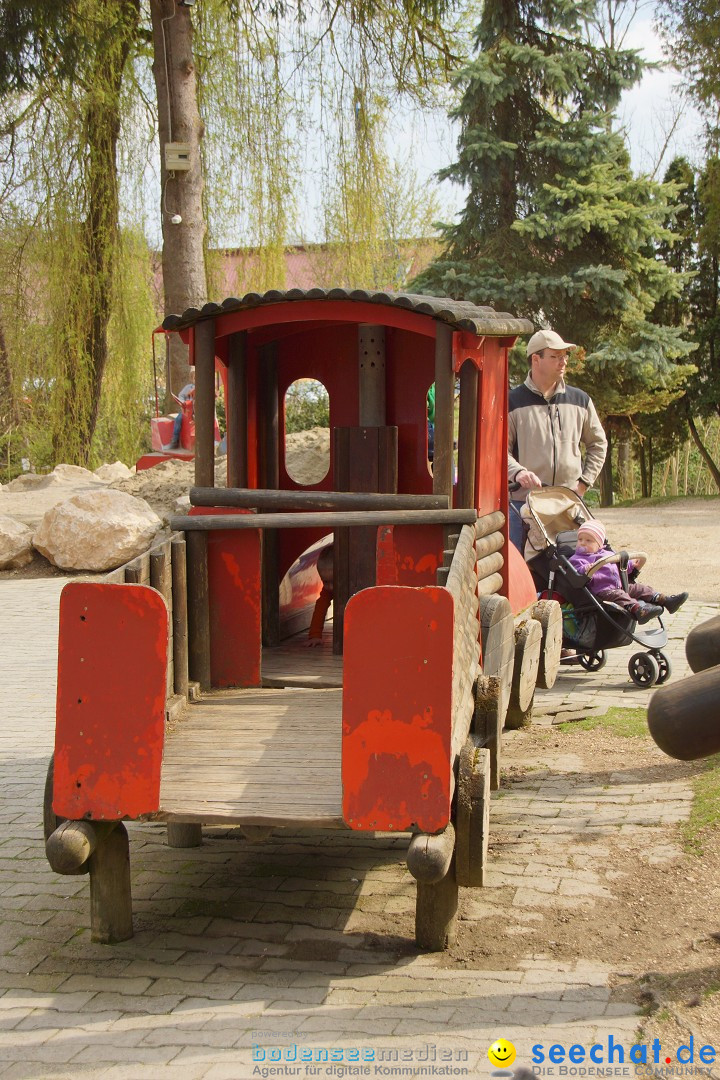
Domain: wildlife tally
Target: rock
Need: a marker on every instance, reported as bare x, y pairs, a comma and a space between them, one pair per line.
32, 482
74, 474
110, 473
16, 547
96, 530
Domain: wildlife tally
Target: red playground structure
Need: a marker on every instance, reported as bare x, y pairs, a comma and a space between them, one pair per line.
438, 641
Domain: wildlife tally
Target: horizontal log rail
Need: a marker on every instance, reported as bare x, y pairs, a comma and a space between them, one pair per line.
270, 499
489, 523
326, 520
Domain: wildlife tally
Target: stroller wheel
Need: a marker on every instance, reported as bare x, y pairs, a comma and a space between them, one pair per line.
593, 661
663, 663
644, 669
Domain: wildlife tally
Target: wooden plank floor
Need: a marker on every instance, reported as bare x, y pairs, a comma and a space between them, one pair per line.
266, 757
292, 663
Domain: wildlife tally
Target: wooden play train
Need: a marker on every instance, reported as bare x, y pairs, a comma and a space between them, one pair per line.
185, 691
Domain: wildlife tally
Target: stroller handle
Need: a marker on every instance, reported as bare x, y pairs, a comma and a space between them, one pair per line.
638, 557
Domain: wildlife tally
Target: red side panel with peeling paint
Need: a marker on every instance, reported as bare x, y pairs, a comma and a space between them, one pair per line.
521, 587
409, 554
234, 583
397, 685
112, 657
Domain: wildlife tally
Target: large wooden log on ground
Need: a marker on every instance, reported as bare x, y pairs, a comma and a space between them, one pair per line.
684, 717
702, 646
549, 614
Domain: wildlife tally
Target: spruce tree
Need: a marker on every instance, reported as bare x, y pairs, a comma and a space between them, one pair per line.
556, 227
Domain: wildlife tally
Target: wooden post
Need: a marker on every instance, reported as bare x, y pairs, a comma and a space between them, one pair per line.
365, 461
236, 410
444, 406
110, 893
160, 579
467, 434
179, 615
182, 834
436, 912
205, 403
198, 595
269, 454
371, 375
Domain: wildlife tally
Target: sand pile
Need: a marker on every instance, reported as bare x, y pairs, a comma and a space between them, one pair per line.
307, 455
307, 459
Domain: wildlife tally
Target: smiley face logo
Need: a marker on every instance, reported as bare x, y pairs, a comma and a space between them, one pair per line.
501, 1053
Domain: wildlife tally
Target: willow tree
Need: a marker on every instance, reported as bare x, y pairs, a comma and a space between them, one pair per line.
62, 102
260, 70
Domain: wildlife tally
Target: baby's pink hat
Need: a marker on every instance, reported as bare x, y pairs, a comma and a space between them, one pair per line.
595, 529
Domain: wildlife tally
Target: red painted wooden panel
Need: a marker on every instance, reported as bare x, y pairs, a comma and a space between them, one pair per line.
409, 554
112, 656
235, 586
397, 686
521, 587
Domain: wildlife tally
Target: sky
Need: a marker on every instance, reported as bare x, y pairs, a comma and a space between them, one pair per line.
646, 111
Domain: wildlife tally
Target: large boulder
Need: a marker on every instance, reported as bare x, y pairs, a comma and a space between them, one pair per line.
96, 530
16, 547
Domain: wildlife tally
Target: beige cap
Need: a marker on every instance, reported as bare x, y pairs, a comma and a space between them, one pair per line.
547, 339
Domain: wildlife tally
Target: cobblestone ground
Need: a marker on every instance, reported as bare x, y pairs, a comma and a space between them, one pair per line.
267, 945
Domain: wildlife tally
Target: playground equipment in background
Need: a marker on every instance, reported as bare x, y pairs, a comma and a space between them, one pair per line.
437, 641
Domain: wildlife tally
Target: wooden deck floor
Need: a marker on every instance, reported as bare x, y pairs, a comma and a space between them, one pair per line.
292, 663
263, 757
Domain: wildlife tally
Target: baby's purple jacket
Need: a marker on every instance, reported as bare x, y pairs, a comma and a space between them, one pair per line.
606, 578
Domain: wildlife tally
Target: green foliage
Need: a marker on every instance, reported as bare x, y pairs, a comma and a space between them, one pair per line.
556, 228
307, 405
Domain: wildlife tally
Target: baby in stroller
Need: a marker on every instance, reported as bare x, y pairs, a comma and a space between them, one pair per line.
641, 601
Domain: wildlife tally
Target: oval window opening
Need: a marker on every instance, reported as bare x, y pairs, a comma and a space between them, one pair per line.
307, 431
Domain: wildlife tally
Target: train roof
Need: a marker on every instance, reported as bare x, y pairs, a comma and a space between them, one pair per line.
460, 314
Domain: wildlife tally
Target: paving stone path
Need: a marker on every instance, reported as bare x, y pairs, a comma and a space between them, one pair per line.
241, 947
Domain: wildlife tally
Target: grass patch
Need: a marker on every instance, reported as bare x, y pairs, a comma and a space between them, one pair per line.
628, 723
705, 810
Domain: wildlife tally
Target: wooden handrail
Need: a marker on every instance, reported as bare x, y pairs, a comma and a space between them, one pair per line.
327, 520
271, 500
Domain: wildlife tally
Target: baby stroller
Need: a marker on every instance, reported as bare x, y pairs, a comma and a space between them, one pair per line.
590, 626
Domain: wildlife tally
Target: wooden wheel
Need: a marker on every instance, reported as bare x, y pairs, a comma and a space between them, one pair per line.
50, 818
473, 813
498, 647
528, 640
549, 614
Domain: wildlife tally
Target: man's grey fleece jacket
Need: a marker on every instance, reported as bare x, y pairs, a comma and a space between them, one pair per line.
548, 435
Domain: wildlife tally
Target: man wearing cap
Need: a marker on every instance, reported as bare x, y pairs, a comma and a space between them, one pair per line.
554, 434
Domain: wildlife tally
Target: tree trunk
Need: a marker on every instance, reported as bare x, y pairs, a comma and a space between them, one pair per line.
92, 296
624, 455
183, 255
606, 477
645, 482
712, 467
